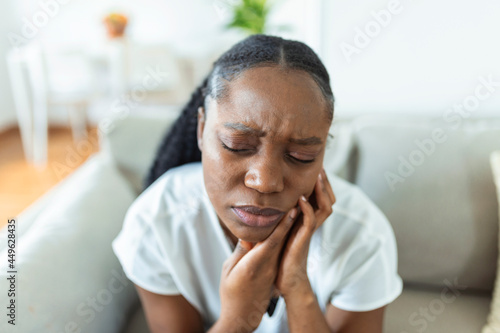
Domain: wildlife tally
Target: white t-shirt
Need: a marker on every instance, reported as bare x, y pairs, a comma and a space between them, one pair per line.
172, 243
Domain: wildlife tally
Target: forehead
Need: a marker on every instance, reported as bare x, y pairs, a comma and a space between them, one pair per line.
273, 100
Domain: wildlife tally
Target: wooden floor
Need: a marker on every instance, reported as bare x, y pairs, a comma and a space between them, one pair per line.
21, 183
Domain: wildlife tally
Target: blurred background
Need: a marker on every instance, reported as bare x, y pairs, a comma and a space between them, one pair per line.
69, 65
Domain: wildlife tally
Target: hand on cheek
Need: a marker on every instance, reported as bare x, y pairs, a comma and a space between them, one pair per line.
281, 259
293, 265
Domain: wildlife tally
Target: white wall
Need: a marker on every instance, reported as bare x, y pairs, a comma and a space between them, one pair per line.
427, 59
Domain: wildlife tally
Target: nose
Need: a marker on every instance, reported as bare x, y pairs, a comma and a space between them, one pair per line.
265, 176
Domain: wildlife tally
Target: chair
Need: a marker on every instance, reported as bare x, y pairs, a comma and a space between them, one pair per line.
42, 78
147, 72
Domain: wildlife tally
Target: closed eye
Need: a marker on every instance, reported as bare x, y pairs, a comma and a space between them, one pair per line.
234, 150
299, 160
294, 159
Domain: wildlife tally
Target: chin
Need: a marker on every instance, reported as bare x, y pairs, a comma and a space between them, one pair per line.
253, 235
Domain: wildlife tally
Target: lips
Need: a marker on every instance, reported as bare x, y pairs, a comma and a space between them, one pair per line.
258, 217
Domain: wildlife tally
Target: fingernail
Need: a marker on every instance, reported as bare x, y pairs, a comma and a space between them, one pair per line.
303, 198
293, 213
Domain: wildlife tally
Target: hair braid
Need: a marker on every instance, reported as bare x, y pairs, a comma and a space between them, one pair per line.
180, 145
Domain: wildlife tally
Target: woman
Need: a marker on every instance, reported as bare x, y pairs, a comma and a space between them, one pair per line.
247, 240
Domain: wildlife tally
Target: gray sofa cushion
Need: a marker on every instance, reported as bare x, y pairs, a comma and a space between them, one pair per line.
439, 311
339, 149
434, 183
493, 324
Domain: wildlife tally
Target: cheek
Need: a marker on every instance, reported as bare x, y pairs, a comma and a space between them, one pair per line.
214, 173
214, 185
308, 187
219, 173
307, 183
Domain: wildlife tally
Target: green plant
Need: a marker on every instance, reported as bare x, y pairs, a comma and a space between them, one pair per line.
250, 16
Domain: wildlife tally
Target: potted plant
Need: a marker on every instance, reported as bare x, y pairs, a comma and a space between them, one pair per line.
250, 16
115, 24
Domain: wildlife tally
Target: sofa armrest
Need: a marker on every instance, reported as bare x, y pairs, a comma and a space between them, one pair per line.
25, 219
67, 274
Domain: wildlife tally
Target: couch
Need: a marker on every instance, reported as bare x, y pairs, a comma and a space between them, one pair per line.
431, 178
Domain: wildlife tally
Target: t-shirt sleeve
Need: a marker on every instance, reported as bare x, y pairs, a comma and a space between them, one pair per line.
371, 284
140, 255
364, 276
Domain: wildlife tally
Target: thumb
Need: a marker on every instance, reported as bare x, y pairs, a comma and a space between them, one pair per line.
241, 248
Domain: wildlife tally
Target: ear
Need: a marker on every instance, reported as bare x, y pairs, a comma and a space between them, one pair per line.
201, 127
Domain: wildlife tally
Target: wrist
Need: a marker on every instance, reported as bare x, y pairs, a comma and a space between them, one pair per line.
229, 326
299, 293
219, 326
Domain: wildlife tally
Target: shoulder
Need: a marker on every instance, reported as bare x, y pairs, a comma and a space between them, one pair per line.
356, 253
155, 227
356, 222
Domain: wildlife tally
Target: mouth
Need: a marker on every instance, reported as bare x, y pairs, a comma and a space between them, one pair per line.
258, 217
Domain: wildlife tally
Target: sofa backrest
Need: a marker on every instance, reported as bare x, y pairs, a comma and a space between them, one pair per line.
432, 179
133, 140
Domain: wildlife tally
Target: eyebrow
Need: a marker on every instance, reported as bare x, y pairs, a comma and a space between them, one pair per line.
313, 140
245, 129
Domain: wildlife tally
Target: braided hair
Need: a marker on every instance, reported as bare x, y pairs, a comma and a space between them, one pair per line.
180, 145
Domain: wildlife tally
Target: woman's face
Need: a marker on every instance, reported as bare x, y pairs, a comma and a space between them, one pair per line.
262, 148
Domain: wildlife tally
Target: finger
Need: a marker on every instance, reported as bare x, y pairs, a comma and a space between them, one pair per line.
272, 245
309, 218
262, 251
322, 196
240, 250
323, 199
329, 187
293, 234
